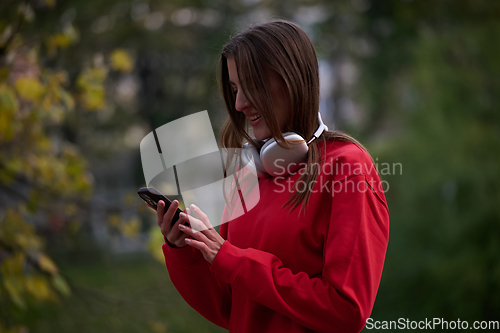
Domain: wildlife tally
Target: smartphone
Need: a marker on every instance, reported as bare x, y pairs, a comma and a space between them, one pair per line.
152, 196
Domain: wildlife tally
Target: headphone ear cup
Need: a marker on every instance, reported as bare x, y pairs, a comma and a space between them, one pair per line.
250, 156
278, 161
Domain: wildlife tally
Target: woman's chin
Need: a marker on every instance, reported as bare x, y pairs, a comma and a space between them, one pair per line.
261, 137
261, 133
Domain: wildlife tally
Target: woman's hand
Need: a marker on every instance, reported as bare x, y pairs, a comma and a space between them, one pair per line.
172, 233
203, 236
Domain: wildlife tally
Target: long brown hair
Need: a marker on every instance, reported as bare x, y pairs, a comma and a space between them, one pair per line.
283, 47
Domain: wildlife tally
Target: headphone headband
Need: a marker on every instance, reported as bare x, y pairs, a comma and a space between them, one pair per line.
321, 128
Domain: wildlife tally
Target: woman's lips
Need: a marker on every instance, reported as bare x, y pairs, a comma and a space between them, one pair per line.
255, 121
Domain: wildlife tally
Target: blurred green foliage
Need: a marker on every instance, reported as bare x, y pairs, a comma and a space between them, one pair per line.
81, 82
436, 80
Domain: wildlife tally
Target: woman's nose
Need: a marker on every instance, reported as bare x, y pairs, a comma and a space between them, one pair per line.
242, 102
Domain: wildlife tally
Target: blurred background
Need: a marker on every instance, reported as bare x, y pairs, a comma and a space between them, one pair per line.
83, 81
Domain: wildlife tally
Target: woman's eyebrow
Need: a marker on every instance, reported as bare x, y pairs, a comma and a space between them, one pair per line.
231, 82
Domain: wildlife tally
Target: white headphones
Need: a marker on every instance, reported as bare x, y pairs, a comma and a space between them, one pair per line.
273, 160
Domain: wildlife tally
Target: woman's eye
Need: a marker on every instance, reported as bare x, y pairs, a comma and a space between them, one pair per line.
235, 92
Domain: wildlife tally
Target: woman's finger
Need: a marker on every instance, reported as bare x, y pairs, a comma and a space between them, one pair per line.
175, 233
209, 248
203, 217
166, 225
198, 245
160, 211
193, 233
196, 224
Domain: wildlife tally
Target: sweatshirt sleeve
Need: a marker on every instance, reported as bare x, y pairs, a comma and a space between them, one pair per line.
201, 289
342, 297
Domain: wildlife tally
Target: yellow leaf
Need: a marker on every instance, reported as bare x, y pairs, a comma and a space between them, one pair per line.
71, 33
27, 12
8, 100
61, 40
56, 114
47, 264
121, 60
50, 3
13, 266
15, 289
38, 287
114, 220
91, 84
6, 130
93, 99
4, 73
61, 285
156, 240
29, 88
23, 241
14, 165
158, 327
67, 99
131, 228
91, 77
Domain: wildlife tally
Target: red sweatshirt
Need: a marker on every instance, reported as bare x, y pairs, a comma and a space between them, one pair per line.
296, 272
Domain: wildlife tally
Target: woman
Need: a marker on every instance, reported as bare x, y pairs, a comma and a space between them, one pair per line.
309, 256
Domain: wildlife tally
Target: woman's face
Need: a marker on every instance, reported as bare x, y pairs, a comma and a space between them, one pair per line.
281, 102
